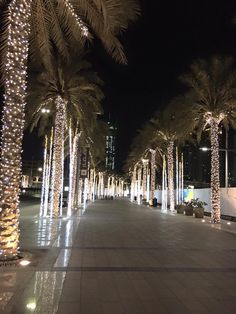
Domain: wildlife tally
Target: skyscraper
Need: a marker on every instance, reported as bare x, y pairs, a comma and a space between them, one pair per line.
110, 146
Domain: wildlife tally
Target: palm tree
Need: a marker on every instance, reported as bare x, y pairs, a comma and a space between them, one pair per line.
72, 92
171, 128
212, 102
144, 144
49, 23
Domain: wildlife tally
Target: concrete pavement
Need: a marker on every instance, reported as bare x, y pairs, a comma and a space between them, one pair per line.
119, 257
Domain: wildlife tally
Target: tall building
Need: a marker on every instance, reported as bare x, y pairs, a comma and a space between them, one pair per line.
110, 147
197, 161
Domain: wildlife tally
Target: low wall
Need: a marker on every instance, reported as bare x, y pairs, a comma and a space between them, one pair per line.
227, 199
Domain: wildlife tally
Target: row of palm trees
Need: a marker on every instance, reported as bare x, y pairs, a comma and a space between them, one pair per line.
208, 104
47, 34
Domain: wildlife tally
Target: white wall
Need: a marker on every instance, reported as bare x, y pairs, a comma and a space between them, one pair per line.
227, 199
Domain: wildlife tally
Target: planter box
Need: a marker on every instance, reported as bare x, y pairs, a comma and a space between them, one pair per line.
188, 210
179, 209
199, 212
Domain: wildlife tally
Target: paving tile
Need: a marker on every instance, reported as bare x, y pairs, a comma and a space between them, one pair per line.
119, 257
173, 305
113, 307
69, 308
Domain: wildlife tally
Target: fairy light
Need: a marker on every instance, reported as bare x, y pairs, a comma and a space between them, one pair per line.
170, 168
58, 148
44, 177
73, 169
139, 184
94, 184
79, 199
80, 23
12, 125
164, 187
48, 176
177, 174
75, 164
153, 173
182, 177
70, 172
148, 186
215, 174
62, 171
91, 177
133, 184
145, 165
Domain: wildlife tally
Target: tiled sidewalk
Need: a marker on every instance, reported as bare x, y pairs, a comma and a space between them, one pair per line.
122, 258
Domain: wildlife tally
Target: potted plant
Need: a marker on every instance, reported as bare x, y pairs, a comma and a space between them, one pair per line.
179, 208
198, 207
188, 208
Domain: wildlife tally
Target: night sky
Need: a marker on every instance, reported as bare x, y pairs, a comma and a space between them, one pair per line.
167, 37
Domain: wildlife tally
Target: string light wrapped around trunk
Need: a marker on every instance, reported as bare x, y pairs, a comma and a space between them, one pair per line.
164, 186
73, 170
170, 169
153, 173
48, 176
44, 176
215, 174
13, 124
58, 153
177, 175
144, 183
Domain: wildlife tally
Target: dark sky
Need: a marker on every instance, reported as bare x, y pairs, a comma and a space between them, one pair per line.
160, 45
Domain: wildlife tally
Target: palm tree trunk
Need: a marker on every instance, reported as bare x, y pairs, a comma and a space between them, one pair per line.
13, 124
48, 176
133, 184
170, 161
215, 174
153, 174
164, 186
57, 159
71, 168
145, 165
43, 190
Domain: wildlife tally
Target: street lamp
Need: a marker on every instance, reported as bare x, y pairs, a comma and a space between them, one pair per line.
44, 110
205, 149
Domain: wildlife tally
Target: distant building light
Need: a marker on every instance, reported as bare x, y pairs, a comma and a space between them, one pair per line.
204, 149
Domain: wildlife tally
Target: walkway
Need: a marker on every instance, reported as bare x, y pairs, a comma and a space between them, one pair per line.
122, 258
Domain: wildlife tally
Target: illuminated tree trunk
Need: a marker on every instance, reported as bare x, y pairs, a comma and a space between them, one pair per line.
139, 185
177, 174
133, 185
77, 181
57, 159
145, 165
164, 187
170, 162
43, 190
73, 170
215, 174
13, 124
153, 174
48, 176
